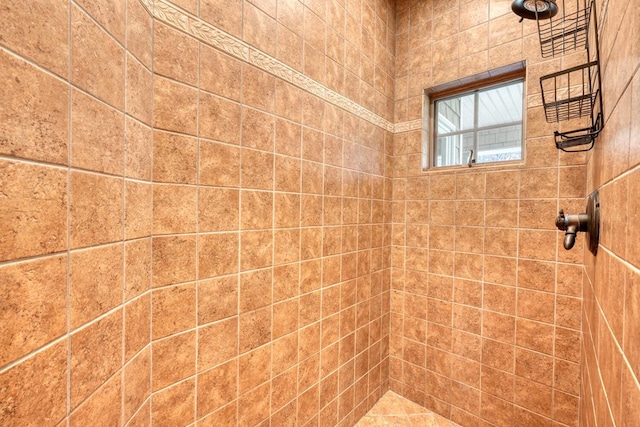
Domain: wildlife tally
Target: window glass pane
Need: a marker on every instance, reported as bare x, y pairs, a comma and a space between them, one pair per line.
500, 105
500, 144
451, 150
487, 121
455, 114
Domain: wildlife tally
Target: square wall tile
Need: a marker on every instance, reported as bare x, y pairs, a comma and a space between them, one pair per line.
34, 210
174, 310
96, 354
98, 135
96, 282
32, 96
96, 209
37, 315
97, 61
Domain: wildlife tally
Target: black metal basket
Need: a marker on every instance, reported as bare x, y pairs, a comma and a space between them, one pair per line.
571, 93
568, 30
575, 92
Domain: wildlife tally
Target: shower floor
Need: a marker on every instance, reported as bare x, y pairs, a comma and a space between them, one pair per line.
396, 411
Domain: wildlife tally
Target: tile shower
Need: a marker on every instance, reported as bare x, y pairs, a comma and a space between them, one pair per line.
213, 213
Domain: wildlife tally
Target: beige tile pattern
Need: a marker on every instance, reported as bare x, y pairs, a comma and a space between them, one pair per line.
239, 238
210, 29
174, 216
479, 318
609, 349
395, 410
77, 212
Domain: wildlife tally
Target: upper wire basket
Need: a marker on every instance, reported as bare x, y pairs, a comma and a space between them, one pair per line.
566, 31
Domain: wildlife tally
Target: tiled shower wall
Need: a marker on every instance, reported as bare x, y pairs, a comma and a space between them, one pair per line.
485, 302
611, 314
189, 234
140, 286
277, 214
76, 165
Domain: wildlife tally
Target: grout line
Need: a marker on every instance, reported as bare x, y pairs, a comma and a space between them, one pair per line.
24, 260
555, 298
241, 150
151, 237
197, 252
40, 163
19, 57
70, 168
95, 22
123, 216
622, 261
68, 254
623, 175
137, 411
50, 344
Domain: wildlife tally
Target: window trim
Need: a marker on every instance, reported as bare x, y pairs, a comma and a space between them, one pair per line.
476, 83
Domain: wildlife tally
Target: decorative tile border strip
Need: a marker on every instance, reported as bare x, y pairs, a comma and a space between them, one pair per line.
407, 126
148, 4
166, 12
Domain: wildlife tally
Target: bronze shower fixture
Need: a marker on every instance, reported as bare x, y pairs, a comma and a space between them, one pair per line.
588, 222
534, 9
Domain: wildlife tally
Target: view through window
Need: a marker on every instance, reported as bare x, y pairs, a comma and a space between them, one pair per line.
484, 125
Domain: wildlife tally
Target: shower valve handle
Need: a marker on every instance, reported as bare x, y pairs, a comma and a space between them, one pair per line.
571, 224
588, 223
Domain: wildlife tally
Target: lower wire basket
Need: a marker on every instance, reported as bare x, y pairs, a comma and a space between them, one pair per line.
579, 139
571, 94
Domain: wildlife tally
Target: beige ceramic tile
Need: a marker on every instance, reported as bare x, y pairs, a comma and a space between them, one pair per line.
96, 282
174, 158
394, 410
33, 211
139, 90
174, 359
137, 330
23, 32
36, 317
137, 383
174, 405
219, 73
138, 29
96, 354
33, 97
175, 106
173, 310
139, 150
110, 16
96, 209
97, 60
174, 260
223, 14
217, 387
102, 407
175, 55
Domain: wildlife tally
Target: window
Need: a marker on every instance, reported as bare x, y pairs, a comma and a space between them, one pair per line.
480, 126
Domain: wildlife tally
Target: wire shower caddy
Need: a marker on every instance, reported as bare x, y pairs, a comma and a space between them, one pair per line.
575, 92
